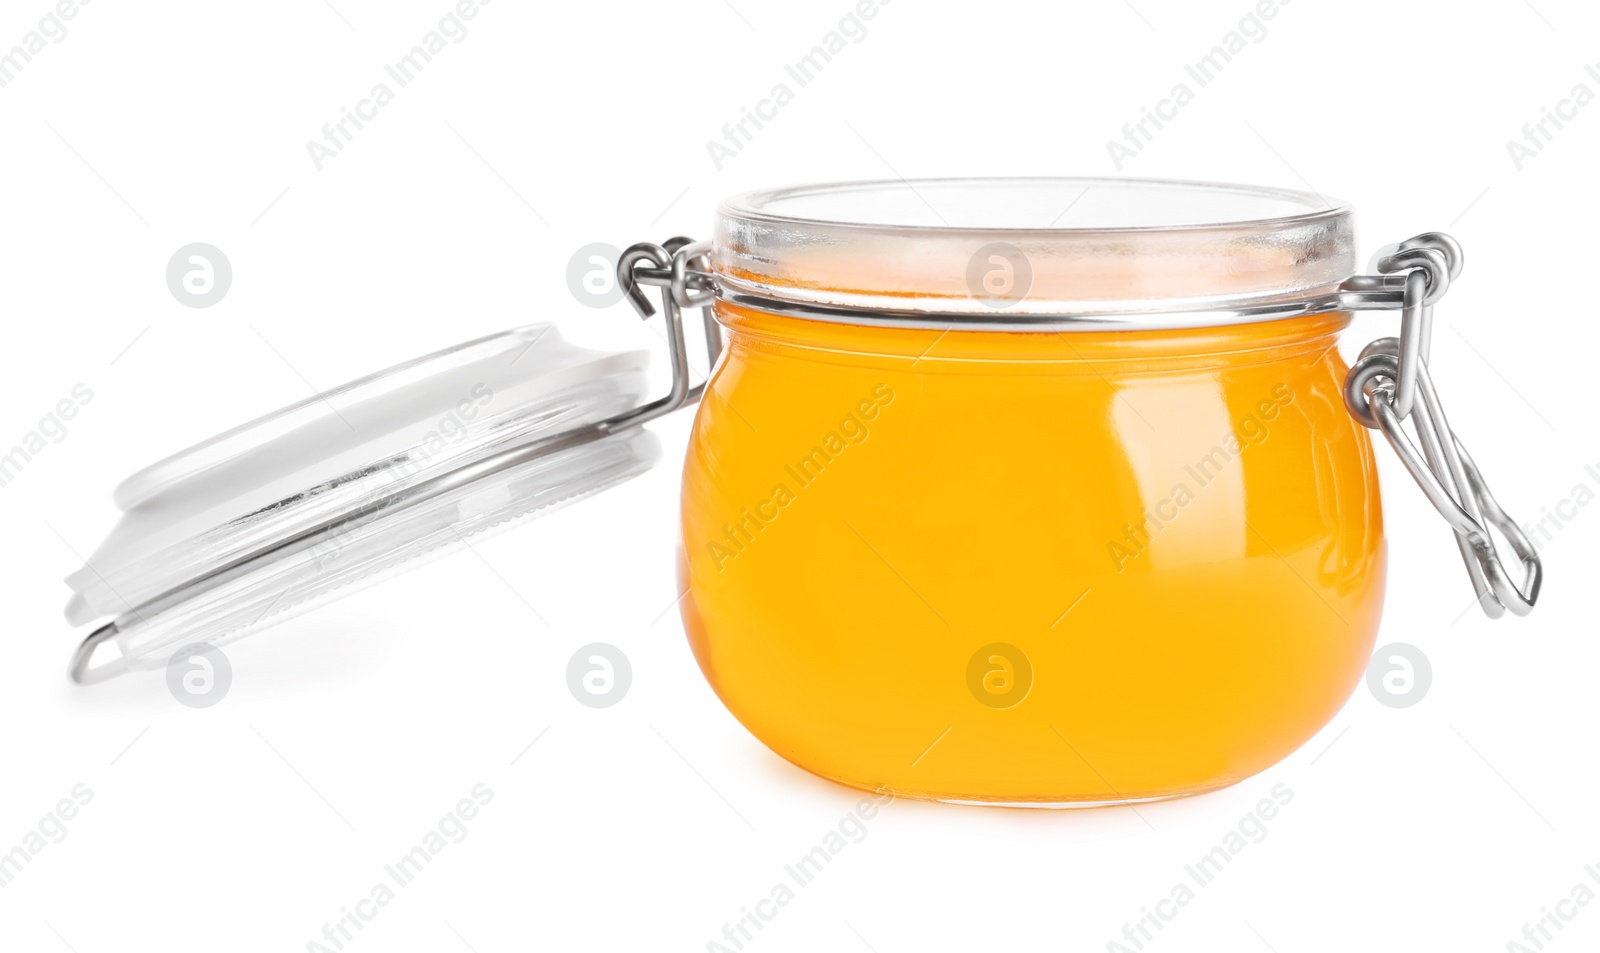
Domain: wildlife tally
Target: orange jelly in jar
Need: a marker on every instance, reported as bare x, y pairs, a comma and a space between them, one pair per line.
981, 510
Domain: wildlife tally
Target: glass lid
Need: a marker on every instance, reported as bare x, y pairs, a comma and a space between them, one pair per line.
332, 493
1010, 252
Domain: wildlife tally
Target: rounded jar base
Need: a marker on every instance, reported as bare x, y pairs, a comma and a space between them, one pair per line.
1064, 802
1070, 805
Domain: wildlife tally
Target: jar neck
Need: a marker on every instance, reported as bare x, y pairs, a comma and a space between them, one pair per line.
934, 350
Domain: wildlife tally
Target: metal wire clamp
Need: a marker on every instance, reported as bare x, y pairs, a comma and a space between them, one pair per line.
1390, 385
681, 269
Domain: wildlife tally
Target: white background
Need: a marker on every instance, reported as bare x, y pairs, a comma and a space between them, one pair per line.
350, 732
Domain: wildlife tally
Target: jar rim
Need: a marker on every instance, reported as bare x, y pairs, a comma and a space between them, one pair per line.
759, 204
987, 252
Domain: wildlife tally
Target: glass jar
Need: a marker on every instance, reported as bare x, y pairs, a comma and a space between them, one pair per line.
1013, 491
988, 508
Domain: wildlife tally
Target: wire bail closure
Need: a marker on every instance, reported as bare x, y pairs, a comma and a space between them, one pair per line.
681, 269
1390, 385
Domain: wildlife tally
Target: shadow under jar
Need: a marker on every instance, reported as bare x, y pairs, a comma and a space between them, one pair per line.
1031, 491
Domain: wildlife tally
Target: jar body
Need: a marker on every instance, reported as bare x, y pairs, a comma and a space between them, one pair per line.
1062, 567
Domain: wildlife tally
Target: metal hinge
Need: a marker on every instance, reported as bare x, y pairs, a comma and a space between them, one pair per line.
1390, 385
